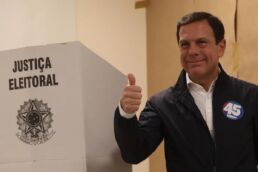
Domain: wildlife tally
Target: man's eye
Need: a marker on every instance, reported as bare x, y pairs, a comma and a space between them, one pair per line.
184, 45
202, 43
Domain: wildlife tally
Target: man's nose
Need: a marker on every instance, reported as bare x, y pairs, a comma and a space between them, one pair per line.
193, 49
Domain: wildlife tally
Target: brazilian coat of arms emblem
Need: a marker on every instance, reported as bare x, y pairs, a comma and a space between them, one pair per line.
34, 120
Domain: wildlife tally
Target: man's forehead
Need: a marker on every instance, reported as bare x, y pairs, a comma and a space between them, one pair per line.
194, 40
202, 24
196, 30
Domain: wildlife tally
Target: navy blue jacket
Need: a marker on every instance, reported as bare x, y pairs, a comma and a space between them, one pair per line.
173, 116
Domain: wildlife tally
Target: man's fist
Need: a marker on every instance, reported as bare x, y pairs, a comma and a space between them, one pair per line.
131, 98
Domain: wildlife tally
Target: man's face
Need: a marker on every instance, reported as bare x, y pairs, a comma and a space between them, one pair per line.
199, 52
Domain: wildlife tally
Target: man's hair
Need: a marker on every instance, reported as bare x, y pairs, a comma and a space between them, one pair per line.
214, 22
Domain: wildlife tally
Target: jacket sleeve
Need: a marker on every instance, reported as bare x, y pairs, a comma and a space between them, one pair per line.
137, 139
256, 126
256, 140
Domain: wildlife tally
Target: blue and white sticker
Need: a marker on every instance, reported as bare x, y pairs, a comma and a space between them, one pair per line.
233, 110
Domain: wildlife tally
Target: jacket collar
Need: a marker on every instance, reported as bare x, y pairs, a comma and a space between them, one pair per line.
183, 96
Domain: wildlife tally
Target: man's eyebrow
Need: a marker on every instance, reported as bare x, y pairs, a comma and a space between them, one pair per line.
202, 39
183, 41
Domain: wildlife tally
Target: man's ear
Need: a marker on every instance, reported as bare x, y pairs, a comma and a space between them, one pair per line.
221, 47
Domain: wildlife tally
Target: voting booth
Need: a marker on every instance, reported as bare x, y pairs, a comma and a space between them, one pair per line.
57, 106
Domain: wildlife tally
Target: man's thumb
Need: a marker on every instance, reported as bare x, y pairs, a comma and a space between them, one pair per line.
131, 79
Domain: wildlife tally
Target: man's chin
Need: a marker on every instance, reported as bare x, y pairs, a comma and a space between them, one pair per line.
195, 73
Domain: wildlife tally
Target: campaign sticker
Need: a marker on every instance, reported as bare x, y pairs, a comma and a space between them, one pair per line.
233, 110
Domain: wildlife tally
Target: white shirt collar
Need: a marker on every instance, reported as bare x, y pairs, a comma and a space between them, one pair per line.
191, 85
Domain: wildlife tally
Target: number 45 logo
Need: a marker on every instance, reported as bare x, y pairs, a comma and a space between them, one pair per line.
233, 110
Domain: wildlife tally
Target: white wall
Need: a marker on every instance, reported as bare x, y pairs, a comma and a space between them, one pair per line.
36, 22
113, 29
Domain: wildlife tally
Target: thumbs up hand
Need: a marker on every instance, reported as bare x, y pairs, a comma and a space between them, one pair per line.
131, 97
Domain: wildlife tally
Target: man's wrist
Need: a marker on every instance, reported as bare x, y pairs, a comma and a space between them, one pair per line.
123, 113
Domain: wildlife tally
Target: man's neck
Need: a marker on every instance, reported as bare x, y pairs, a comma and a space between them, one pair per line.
206, 81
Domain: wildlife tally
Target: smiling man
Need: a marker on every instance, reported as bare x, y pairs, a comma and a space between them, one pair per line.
200, 52
208, 120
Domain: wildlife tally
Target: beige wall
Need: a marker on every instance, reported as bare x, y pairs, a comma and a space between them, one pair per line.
36, 22
248, 40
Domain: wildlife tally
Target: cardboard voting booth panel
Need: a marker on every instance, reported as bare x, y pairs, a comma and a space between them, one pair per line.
57, 105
